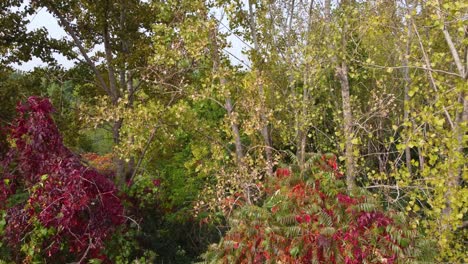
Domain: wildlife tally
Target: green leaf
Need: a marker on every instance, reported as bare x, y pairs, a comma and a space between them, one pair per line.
294, 251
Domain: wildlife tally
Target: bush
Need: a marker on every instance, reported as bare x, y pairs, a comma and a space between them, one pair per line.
311, 219
52, 205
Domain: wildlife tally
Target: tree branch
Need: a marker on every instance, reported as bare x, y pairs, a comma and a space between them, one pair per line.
429, 73
79, 44
452, 48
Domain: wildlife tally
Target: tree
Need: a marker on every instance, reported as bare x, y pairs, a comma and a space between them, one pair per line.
228, 105
121, 28
17, 43
340, 63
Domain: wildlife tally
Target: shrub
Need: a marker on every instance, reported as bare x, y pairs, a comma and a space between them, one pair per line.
104, 164
311, 219
52, 204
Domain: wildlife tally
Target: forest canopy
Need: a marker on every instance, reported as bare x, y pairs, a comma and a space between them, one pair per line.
339, 136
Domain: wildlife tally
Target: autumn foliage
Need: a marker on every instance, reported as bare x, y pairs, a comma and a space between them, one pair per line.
311, 219
104, 164
53, 203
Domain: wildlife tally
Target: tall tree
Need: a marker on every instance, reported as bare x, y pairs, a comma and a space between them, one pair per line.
112, 39
218, 70
339, 60
264, 131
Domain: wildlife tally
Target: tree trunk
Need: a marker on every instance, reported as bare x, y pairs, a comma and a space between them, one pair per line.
119, 163
455, 175
228, 102
235, 131
131, 98
79, 44
302, 124
264, 131
407, 80
113, 88
115, 96
342, 73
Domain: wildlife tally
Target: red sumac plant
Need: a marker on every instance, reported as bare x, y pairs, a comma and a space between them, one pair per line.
50, 197
311, 219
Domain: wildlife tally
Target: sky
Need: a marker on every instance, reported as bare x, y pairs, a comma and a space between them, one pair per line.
44, 19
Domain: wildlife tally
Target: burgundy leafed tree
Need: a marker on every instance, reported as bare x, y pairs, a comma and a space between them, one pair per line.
59, 192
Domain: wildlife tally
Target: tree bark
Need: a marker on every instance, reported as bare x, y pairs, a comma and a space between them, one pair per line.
119, 163
341, 71
303, 124
235, 131
113, 88
131, 92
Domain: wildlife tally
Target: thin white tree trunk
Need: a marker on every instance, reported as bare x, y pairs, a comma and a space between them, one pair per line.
228, 101
341, 71
264, 131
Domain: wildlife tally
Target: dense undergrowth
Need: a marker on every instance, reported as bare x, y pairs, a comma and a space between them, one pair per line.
57, 207
310, 218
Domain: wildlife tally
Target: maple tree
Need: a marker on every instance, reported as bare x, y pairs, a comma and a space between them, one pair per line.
52, 202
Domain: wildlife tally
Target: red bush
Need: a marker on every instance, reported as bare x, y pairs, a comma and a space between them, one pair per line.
77, 202
310, 219
283, 172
